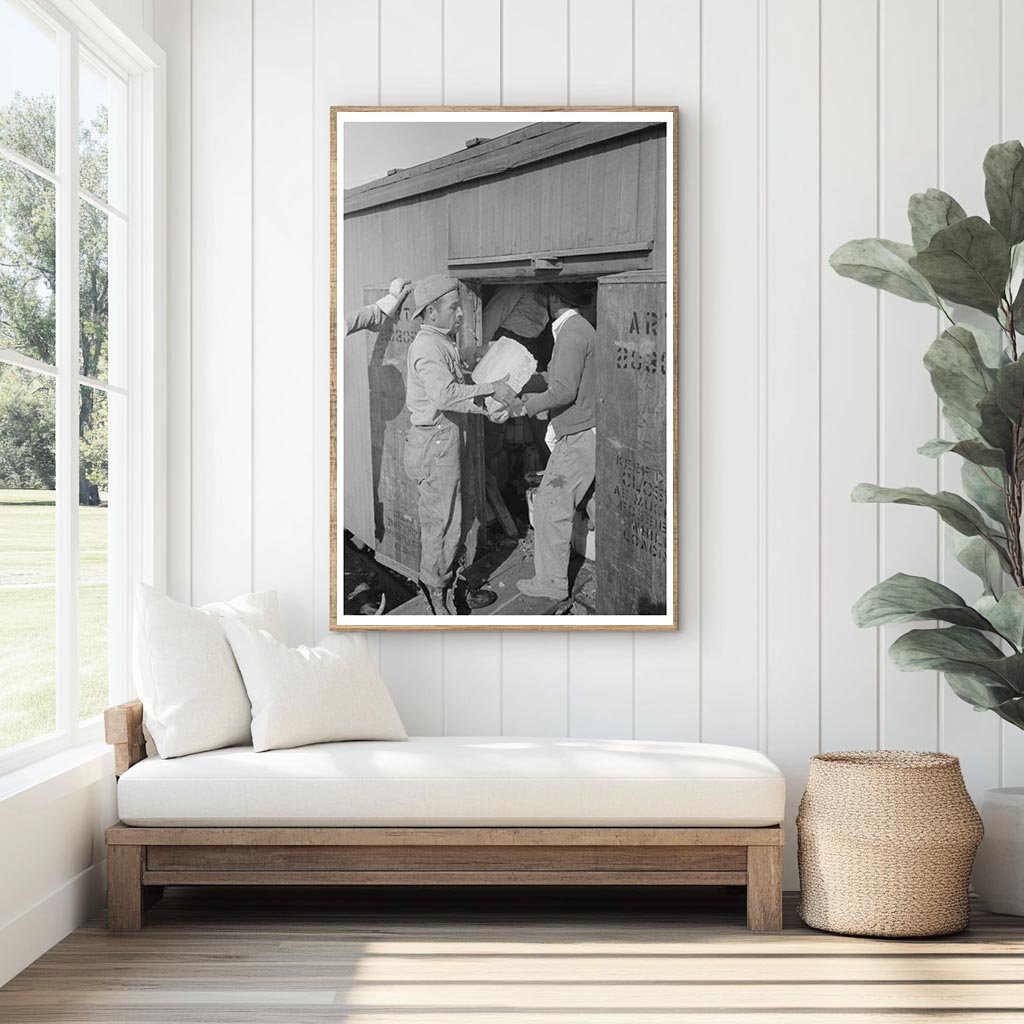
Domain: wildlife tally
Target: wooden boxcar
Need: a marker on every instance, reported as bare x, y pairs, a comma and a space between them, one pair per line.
581, 201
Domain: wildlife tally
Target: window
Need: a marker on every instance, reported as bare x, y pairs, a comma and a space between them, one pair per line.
76, 246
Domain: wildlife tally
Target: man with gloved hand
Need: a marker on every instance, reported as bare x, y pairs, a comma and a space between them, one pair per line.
376, 314
440, 394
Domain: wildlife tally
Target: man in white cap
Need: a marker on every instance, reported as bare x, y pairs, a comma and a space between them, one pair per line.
570, 403
374, 316
439, 394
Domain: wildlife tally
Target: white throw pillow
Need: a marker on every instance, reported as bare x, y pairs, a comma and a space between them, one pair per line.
192, 693
309, 694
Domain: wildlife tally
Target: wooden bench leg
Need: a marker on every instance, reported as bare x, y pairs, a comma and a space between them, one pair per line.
764, 888
125, 897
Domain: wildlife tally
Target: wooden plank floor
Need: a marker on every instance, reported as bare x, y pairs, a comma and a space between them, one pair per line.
219, 956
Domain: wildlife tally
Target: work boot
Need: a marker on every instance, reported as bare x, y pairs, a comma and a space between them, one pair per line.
437, 596
535, 587
480, 598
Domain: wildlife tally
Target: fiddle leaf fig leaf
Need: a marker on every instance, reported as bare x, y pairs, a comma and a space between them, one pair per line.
1006, 614
952, 509
996, 428
903, 598
964, 652
1017, 309
1013, 285
973, 451
962, 430
1011, 710
883, 264
1009, 390
967, 263
979, 557
990, 345
984, 486
1004, 189
929, 212
980, 692
958, 371
922, 650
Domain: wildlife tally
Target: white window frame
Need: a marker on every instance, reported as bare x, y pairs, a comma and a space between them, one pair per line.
141, 64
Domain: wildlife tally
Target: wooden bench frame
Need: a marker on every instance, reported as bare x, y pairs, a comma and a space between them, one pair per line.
142, 860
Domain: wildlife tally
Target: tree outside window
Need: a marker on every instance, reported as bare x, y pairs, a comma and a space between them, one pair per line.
33, 685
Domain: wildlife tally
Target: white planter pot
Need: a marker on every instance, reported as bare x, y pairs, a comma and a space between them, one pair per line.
999, 866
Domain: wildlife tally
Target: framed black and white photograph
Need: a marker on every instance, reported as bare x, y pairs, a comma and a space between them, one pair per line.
504, 353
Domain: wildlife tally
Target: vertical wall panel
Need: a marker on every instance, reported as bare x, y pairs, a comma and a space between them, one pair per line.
351, 30
969, 124
1012, 127
849, 369
472, 52
534, 60
173, 30
411, 66
792, 386
601, 684
472, 685
414, 675
666, 666
283, 309
535, 681
221, 378
729, 361
601, 51
909, 414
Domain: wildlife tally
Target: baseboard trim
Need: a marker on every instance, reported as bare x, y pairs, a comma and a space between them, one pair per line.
26, 937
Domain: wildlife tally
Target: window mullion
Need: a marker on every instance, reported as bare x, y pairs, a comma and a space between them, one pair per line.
30, 165
67, 386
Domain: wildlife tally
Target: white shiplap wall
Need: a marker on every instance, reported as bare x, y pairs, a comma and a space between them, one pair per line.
804, 123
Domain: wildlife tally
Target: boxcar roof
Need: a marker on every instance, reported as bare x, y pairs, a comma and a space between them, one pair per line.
535, 142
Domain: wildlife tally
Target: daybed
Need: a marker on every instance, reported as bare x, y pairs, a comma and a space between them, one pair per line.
444, 811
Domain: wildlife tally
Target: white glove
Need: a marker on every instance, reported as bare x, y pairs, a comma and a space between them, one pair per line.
392, 302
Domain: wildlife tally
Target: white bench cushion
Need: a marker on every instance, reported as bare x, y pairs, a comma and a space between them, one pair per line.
459, 780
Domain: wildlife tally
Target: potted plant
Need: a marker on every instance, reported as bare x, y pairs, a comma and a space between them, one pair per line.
977, 372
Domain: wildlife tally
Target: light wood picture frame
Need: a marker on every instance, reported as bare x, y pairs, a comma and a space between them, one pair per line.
529, 217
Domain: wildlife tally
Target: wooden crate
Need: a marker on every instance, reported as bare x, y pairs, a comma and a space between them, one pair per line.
633, 476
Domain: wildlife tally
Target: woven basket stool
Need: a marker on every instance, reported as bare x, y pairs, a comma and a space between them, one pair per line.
885, 843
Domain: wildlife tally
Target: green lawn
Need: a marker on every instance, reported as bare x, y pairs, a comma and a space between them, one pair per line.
28, 617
